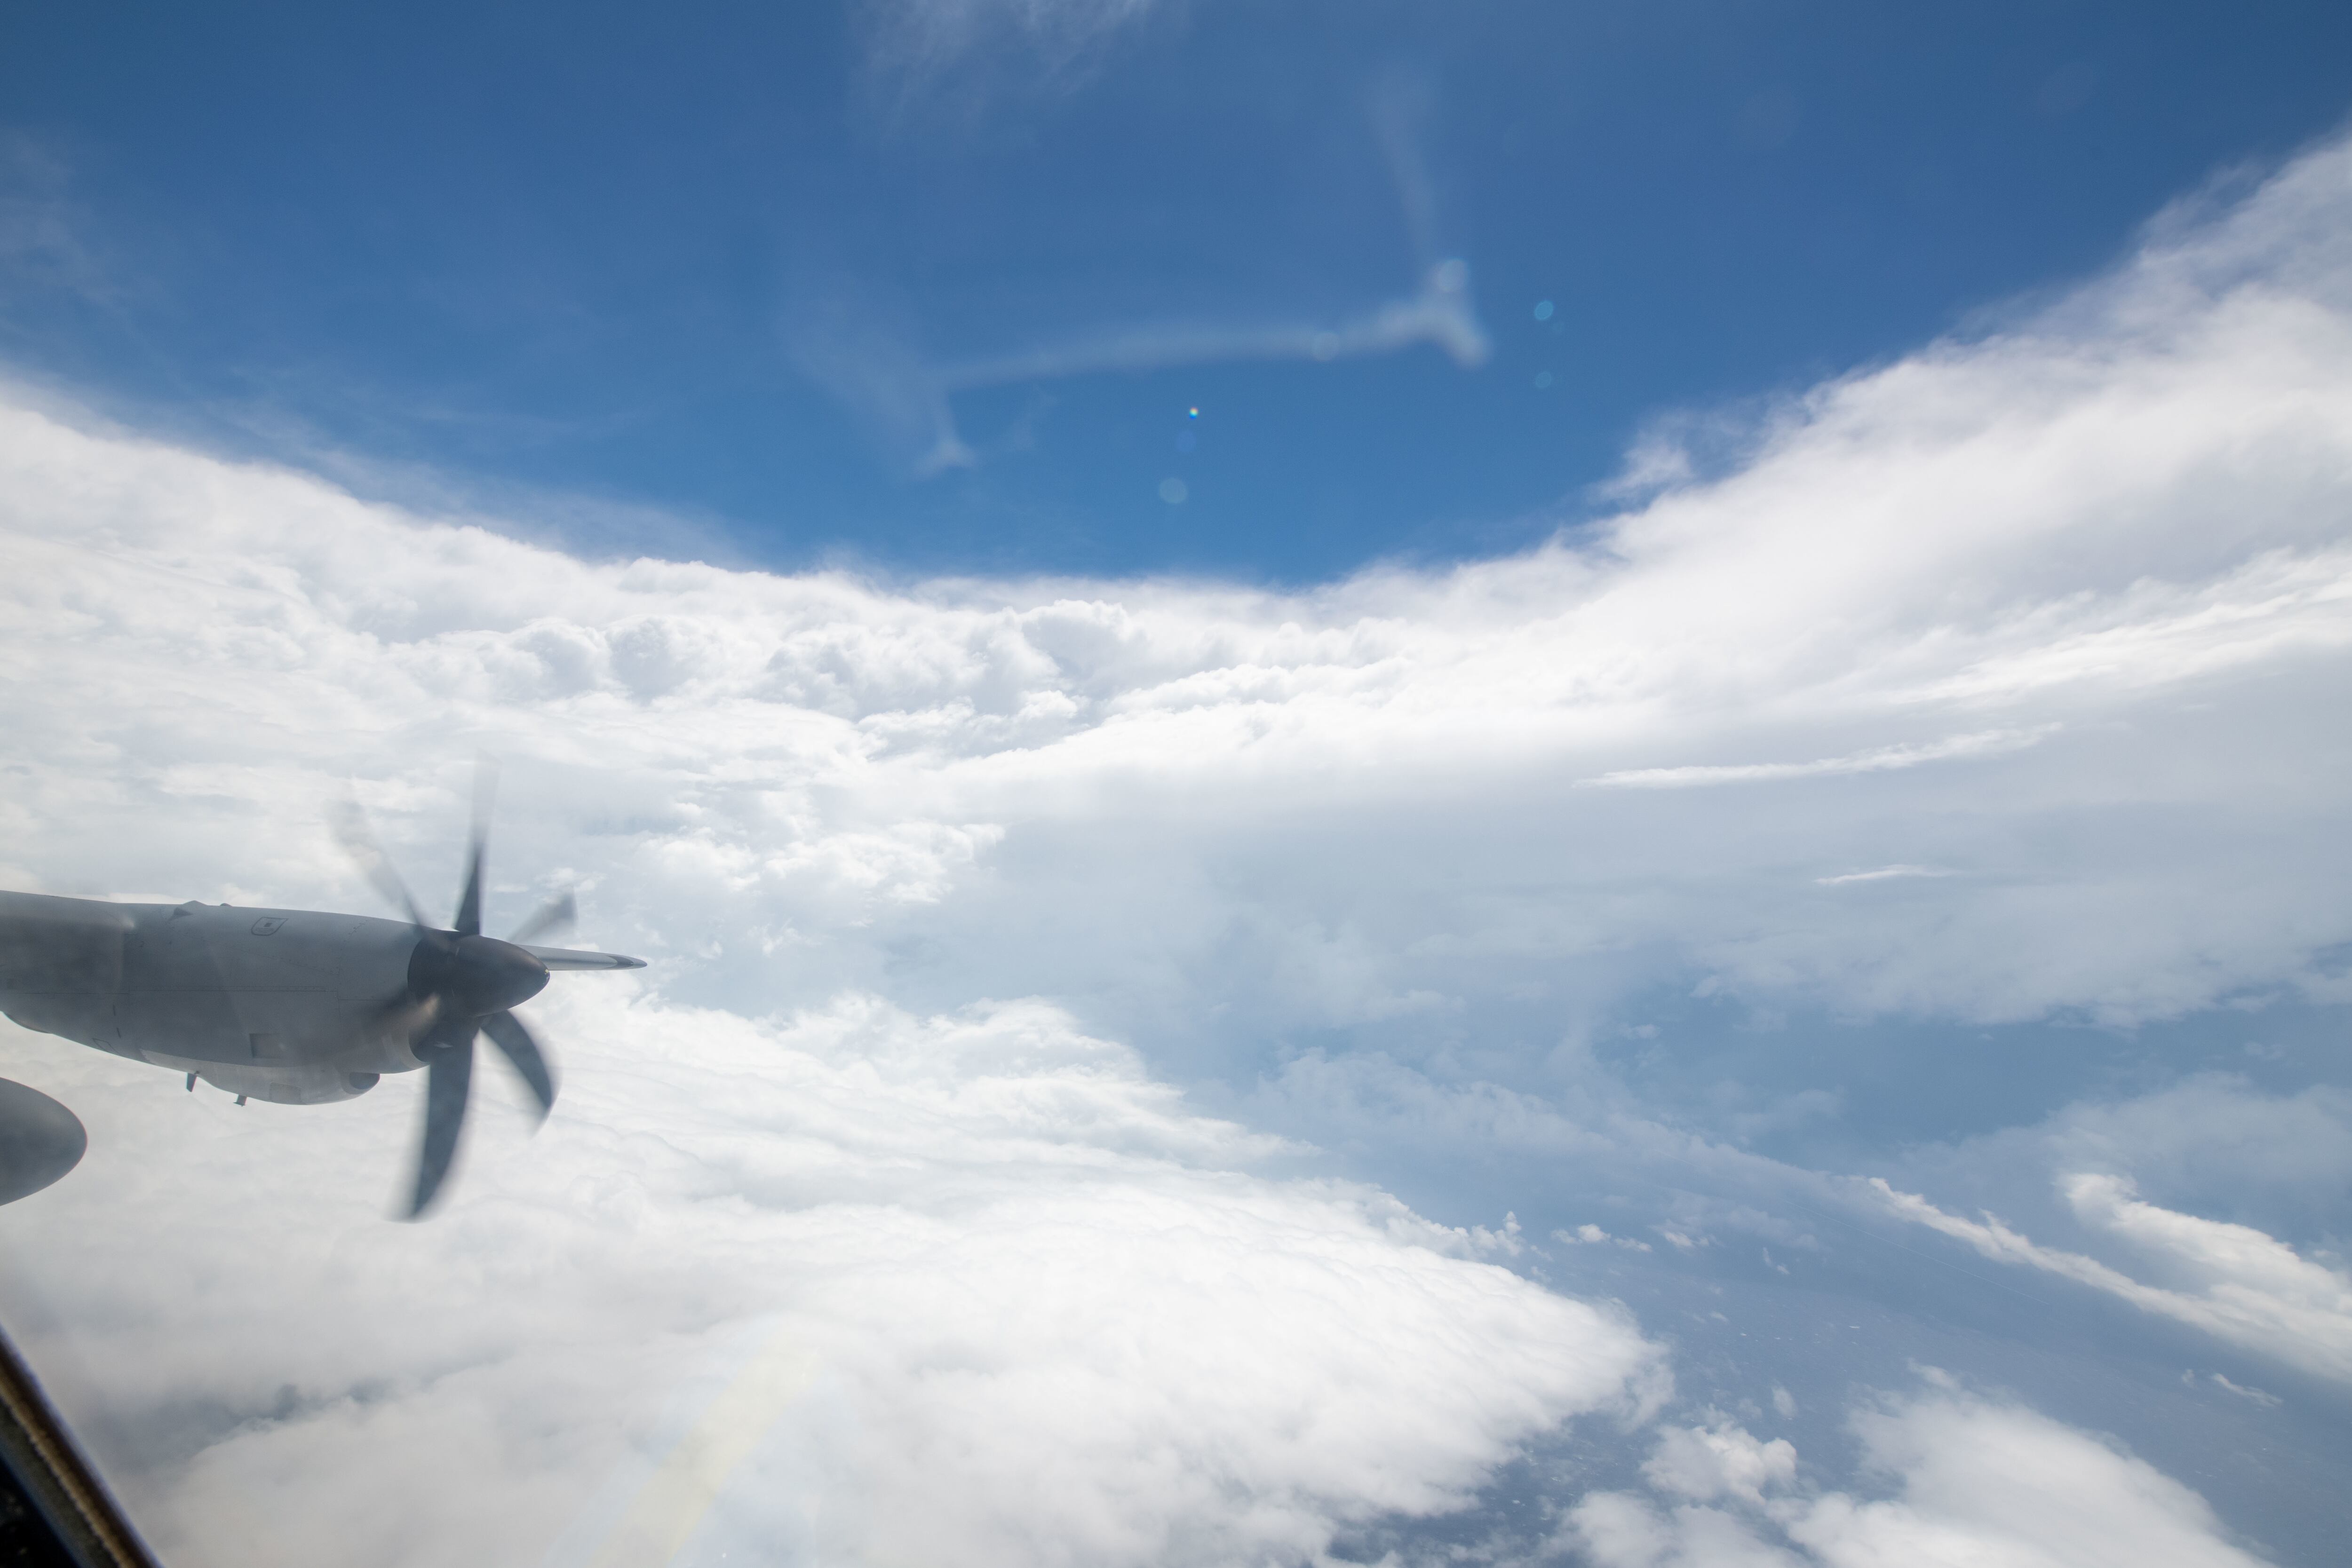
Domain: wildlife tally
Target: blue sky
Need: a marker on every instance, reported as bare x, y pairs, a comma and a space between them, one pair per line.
586, 252
1550, 782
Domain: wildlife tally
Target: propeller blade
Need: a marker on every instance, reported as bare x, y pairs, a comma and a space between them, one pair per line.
506, 1032
469, 903
351, 828
448, 1080
555, 915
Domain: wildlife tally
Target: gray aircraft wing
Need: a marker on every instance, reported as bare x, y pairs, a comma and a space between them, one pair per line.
49, 941
60, 961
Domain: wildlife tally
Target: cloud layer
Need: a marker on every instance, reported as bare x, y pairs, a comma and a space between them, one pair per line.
1035, 1309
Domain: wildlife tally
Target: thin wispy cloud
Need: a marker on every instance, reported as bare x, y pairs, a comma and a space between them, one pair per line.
2253, 1395
2241, 1286
1878, 760
875, 368
864, 344
44, 241
1047, 44
1883, 873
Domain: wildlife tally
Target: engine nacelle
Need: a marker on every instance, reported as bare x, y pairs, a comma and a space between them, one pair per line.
286, 1084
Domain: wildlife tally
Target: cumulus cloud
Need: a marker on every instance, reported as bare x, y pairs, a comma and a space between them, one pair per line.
1722, 1460
1972, 1481
1591, 1235
2231, 1280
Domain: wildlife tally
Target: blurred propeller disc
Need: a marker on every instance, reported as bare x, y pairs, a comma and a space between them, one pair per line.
557, 915
461, 984
351, 826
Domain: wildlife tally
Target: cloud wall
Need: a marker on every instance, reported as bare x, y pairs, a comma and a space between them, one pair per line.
2042, 609
1977, 686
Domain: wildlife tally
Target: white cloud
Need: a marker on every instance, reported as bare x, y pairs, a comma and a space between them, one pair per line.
1883, 873
2261, 1396
1031, 1307
1591, 1235
1722, 1460
1438, 314
1880, 759
2234, 1282
2210, 1142
2219, 1139
866, 353
1973, 1481
1990, 1484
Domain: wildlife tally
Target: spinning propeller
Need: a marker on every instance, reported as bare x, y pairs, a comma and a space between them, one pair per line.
463, 985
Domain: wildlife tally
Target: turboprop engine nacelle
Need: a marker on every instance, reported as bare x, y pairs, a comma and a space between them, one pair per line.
282, 1086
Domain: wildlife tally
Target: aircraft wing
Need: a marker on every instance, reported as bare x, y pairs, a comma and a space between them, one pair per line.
50, 944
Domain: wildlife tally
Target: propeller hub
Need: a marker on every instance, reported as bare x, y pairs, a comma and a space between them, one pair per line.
474, 976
